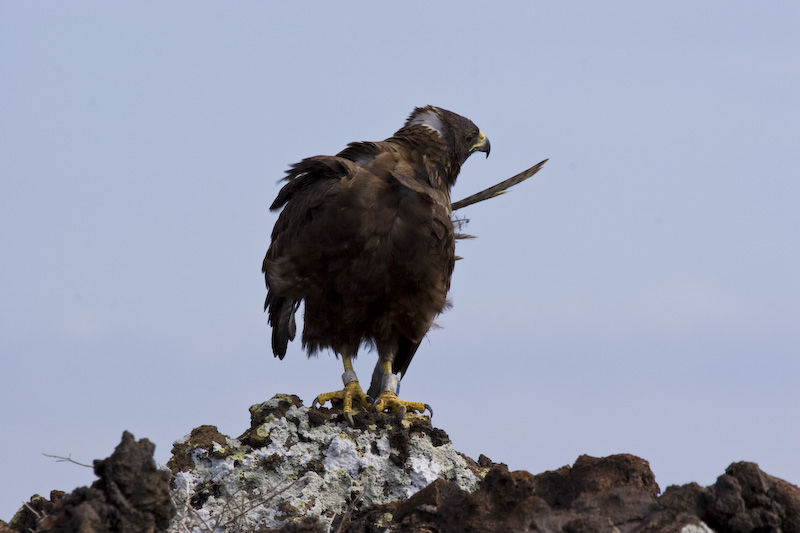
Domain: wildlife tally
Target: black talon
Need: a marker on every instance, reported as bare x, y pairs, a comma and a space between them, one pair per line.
429, 408
349, 418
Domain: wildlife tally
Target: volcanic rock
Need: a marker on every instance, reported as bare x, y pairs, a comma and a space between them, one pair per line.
305, 470
295, 462
132, 495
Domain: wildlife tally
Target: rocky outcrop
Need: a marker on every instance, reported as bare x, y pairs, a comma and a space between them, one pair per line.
295, 462
132, 495
743, 499
305, 470
616, 493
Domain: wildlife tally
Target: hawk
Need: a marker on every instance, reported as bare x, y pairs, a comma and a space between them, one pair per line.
366, 240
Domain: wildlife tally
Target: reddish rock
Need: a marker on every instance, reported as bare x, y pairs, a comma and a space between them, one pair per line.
744, 499
595, 495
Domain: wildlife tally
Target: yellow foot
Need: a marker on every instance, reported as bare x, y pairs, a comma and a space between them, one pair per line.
389, 400
350, 392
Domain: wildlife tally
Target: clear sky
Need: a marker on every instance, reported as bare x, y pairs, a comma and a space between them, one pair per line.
641, 294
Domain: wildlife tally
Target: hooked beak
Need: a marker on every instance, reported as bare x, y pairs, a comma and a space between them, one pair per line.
481, 145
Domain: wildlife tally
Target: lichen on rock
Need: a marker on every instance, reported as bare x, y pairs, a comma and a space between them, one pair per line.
295, 462
302, 470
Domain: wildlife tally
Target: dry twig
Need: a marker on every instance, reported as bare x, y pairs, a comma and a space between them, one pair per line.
348, 512
68, 459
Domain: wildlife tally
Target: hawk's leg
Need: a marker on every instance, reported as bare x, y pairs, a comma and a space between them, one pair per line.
352, 390
388, 397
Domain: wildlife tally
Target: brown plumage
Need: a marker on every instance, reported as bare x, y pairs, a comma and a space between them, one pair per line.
366, 239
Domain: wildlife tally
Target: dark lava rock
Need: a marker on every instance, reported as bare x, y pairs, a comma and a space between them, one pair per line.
31, 513
744, 499
615, 494
201, 437
132, 495
595, 495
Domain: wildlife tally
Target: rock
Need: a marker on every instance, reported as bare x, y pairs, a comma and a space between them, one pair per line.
132, 495
309, 471
301, 470
596, 495
743, 499
27, 518
295, 462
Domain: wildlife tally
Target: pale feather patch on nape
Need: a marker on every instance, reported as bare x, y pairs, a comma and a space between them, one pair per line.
430, 120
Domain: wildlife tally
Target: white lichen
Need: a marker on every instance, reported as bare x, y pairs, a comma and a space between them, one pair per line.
306, 470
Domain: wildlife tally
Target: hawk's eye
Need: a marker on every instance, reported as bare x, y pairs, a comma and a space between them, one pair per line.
469, 138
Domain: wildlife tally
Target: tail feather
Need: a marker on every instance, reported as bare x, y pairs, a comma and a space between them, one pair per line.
405, 353
281, 318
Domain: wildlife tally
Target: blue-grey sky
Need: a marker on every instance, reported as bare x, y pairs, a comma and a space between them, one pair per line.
640, 295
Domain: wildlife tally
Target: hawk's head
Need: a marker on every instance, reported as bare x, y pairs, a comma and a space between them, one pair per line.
461, 135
